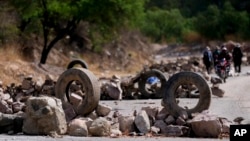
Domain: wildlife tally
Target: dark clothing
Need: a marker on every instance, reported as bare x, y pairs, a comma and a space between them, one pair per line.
208, 60
237, 59
216, 56
224, 54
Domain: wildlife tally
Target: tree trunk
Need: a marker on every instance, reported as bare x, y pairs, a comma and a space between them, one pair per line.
46, 50
44, 56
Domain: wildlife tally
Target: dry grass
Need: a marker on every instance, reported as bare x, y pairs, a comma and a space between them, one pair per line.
12, 66
10, 53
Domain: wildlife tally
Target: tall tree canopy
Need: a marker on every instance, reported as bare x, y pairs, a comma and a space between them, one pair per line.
59, 18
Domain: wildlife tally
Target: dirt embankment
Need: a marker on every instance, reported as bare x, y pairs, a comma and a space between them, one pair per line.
126, 55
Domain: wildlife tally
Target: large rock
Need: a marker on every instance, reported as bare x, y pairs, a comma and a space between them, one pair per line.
162, 114
11, 123
206, 125
100, 127
44, 115
103, 110
142, 122
217, 91
126, 123
78, 127
175, 130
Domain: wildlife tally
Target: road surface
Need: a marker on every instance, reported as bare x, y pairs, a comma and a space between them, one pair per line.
235, 103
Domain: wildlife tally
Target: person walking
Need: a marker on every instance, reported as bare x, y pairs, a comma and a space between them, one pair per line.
216, 53
237, 58
208, 59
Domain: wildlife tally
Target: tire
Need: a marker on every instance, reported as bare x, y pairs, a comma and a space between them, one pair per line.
75, 62
143, 81
178, 79
87, 80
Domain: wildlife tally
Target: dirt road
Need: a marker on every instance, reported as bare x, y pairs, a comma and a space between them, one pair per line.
236, 101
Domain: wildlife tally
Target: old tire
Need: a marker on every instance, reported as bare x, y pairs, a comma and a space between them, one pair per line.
87, 80
75, 62
178, 79
143, 82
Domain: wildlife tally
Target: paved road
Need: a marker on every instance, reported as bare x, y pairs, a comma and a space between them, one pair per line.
235, 103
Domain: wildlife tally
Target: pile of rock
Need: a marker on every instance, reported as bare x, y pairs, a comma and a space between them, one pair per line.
44, 116
13, 97
126, 87
31, 108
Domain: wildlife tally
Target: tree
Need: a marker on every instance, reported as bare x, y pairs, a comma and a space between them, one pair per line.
163, 24
208, 23
59, 18
234, 22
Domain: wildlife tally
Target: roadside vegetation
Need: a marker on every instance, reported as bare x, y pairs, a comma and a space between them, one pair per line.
89, 24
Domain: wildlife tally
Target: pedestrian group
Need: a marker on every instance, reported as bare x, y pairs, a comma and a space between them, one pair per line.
212, 58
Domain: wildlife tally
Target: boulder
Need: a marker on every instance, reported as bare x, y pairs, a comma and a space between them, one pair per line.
44, 115
100, 127
78, 127
206, 125
142, 122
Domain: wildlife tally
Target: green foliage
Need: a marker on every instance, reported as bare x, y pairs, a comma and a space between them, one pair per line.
234, 22
8, 29
164, 25
217, 24
171, 20
208, 22
104, 16
8, 33
109, 16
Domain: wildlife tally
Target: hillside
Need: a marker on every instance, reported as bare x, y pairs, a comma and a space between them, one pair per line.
122, 57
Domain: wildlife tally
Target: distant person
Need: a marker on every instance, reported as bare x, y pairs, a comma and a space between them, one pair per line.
224, 54
237, 58
216, 53
208, 59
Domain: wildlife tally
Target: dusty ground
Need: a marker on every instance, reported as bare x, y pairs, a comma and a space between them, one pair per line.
125, 56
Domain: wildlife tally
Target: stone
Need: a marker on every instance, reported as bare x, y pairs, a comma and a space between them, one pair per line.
78, 127
11, 123
69, 112
4, 107
225, 125
103, 110
217, 91
155, 130
92, 115
114, 91
100, 127
160, 124
169, 120
151, 111
162, 114
126, 123
26, 84
206, 125
44, 115
180, 121
175, 130
115, 133
75, 100
142, 122
18, 106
